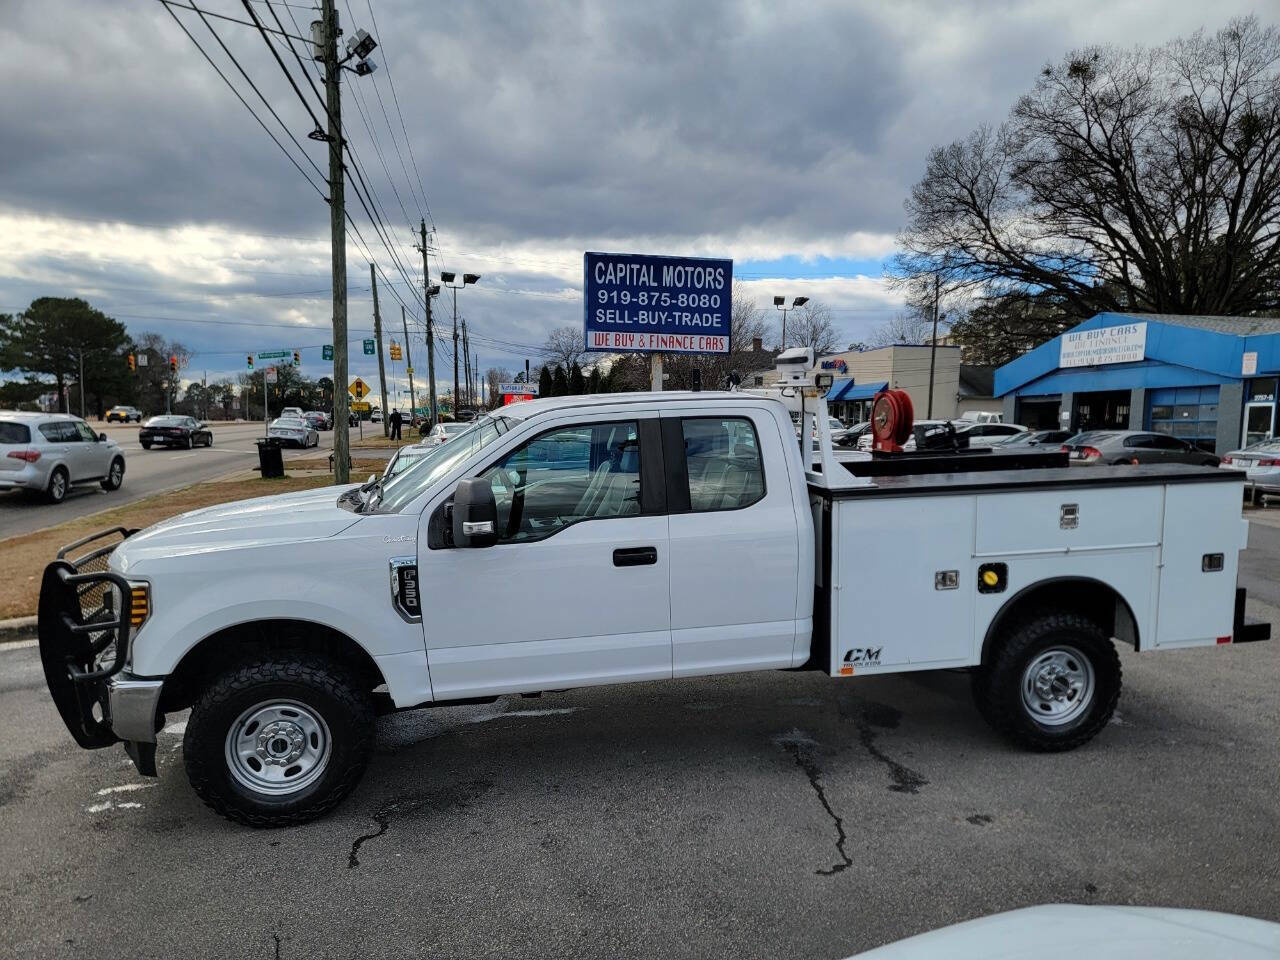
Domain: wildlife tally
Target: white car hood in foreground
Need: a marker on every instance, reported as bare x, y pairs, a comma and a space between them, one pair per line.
285, 518
1070, 932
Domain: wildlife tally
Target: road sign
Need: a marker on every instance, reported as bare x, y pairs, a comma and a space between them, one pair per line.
142, 359
358, 388
275, 354
361, 406
368, 347
409, 371
530, 389
326, 352
271, 374
636, 302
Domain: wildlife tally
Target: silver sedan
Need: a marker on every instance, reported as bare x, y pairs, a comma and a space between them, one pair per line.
295, 431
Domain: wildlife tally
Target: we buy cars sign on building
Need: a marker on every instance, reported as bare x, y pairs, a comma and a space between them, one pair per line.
636, 302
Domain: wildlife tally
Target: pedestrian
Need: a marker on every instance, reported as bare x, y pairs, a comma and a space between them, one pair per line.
396, 420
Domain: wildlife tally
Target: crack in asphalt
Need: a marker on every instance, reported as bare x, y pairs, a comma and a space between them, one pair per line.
801, 750
276, 938
382, 817
905, 780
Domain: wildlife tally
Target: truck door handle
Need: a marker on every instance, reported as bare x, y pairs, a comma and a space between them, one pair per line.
635, 557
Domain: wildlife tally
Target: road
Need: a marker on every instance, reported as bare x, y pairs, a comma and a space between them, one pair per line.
759, 815
147, 472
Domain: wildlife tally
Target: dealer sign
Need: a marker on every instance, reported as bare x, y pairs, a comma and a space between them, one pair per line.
1126, 343
636, 302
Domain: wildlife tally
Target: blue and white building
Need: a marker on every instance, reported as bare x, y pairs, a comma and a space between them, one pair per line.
1209, 380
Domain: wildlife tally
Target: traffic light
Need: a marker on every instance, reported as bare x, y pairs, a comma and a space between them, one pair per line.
395, 350
173, 363
249, 360
133, 365
297, 359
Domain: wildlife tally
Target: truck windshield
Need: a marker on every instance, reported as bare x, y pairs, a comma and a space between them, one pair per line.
404, 488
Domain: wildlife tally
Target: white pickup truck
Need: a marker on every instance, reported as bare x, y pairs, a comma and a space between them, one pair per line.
618, 538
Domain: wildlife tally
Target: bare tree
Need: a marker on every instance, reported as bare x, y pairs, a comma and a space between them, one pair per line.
1126, 180
565, 346
906, 326
493, 377
811, 326
747, 324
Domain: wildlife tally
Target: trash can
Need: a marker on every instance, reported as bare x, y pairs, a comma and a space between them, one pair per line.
270, 459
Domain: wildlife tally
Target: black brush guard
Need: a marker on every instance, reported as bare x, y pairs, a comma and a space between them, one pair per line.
83, 624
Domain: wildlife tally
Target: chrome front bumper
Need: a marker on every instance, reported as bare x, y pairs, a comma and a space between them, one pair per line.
133, 705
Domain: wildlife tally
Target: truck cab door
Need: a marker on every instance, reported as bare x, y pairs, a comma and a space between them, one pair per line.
577, 589
735, 544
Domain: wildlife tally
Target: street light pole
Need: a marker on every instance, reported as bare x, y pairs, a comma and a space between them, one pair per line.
338, 245
447, 277
781, 304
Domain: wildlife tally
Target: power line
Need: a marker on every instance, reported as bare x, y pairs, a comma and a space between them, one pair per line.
244, 103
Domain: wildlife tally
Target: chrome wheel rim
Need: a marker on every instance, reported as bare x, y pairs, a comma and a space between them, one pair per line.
1057, 686
58, 486
278, 747
116, 473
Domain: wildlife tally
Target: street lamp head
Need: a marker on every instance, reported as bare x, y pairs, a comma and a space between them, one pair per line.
361, 44
447, 276
470, 278
365, 67
800, 301
433, 290
779, 301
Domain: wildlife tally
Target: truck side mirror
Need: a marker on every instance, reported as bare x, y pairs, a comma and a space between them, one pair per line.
475, 514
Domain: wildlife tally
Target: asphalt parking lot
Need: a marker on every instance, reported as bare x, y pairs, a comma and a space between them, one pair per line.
775, 814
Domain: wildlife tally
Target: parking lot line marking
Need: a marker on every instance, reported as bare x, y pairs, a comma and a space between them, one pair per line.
18, 645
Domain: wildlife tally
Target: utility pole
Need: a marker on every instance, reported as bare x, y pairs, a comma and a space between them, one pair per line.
466, 360
431, 340
408, 364
933, 350
82, 383
338, 241
377, 334
455, 353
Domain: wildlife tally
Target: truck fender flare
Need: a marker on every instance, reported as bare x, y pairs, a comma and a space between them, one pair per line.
1102, 603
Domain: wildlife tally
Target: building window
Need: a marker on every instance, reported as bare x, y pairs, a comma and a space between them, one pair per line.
1190, 413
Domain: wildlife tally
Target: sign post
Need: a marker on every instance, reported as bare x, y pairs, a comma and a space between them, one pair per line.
651, 304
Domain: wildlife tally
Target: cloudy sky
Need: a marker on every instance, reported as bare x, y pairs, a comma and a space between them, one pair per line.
783, 135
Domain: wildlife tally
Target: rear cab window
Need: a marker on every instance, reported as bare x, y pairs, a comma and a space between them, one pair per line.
14, 432
722, 457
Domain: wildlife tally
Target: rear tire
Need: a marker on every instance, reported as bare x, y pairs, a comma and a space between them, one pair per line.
191, 441
59, 484
146, 444
279, 741
115, 475
1051, 683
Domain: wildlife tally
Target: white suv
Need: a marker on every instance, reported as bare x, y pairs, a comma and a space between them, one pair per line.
49, 452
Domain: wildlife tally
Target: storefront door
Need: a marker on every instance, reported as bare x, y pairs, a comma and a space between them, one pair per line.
1259, 422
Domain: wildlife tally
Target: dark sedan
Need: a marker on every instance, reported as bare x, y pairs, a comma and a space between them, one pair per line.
1134, 446
175, 432
1037, 438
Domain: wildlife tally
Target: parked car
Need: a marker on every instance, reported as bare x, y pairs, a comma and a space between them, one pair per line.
990, 431
295, 431
441, 433
292, 412
120, 414
406, 457
1260, 463
50, 452
865, 441
318, 419
1133, 446
1036, 438
375, 417
466, 415
175, 431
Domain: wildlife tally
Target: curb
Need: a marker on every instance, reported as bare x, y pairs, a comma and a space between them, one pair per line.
20, 628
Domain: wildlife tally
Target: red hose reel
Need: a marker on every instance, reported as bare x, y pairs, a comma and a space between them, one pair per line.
892, 417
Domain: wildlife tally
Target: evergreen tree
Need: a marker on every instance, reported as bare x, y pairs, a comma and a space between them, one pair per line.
559, 382
544, 382
577, 385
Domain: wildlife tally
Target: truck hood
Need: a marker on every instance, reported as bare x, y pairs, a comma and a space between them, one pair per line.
285, 518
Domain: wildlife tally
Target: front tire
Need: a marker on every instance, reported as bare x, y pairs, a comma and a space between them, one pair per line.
279, 741
1051, 683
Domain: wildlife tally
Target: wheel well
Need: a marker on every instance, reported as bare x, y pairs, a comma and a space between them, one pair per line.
1094, 599
247, 640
